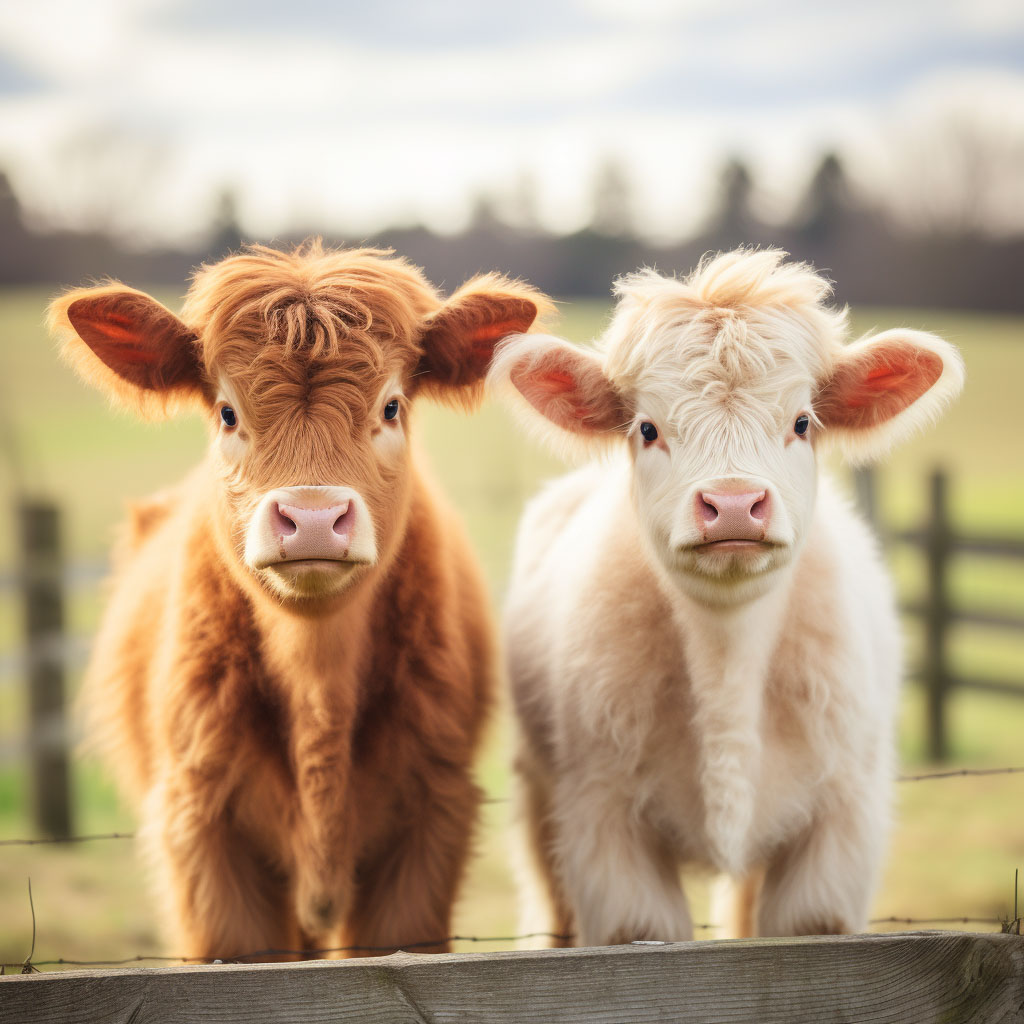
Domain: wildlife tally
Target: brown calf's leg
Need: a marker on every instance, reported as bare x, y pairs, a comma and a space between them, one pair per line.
223, 901
325, 834
405, 893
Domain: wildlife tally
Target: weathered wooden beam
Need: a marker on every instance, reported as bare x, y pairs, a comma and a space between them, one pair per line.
1004, 687
963, 544
902, 978
967, 617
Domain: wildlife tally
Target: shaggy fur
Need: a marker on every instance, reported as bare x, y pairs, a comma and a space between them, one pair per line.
300, 755
727, 706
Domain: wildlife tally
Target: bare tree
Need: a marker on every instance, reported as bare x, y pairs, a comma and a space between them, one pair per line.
732, 221
612, 200
105, 180
960, 172
524, 203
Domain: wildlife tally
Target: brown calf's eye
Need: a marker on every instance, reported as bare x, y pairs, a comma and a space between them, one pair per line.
391, 409
227, 414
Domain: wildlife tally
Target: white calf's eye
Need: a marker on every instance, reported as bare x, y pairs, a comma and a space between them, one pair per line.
391, 409
648, 431
228, 417
801, 425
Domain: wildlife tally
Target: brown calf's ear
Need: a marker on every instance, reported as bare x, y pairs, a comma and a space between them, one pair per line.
129, 345
459, 339
565, 384
884, 387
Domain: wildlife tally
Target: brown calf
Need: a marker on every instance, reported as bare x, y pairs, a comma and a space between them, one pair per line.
294, 667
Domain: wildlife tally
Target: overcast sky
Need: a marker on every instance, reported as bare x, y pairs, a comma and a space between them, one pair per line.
343, 116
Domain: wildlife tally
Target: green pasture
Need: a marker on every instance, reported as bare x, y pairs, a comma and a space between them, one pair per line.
955, 845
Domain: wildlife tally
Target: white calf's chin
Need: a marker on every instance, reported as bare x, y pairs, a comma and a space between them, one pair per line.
740, 562
726, 575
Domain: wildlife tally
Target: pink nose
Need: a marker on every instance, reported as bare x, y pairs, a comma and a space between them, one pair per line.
733, 516
313, 532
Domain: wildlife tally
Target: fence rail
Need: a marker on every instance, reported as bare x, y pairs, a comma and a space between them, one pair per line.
908, 977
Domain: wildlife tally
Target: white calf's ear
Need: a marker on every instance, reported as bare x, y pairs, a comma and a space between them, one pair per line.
565, 384
884, 387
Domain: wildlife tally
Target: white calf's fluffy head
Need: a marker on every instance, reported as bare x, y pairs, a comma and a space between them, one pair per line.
723, 385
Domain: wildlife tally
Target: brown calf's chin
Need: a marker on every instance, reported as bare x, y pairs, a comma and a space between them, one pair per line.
312, 579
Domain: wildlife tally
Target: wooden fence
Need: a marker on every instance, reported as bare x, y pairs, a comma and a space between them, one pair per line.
42, 580
903, 978
940, 542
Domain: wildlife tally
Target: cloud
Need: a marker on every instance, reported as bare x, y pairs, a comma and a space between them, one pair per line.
72, 43
17, 80
360, 113
397, 25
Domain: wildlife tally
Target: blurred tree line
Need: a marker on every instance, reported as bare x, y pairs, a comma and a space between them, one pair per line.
876, 258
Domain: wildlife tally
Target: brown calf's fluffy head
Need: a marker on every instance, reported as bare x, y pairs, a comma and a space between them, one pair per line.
304, 364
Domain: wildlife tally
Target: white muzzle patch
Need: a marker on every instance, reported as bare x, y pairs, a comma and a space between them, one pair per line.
310, 524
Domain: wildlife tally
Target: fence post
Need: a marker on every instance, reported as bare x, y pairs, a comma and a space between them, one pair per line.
42, 579
938, 547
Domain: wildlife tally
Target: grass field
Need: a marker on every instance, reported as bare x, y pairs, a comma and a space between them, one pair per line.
956, 843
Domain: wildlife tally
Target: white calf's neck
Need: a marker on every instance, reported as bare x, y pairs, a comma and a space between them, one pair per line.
728, 651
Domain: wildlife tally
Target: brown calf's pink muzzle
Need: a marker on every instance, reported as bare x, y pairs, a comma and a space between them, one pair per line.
725, 516
320, 524
314, 532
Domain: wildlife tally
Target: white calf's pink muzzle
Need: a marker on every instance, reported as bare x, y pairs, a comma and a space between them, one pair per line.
732, 515
310, 524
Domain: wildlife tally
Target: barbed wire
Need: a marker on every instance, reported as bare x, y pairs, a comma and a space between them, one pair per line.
923, 777
91, 837
936, 920
315, 953
30, 966
956, 772
67, 839
308, 953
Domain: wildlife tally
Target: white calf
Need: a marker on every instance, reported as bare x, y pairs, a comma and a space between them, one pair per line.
703, 644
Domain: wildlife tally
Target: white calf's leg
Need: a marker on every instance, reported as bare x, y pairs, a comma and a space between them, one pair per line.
821, 883
734, 905
543, 912
620, 879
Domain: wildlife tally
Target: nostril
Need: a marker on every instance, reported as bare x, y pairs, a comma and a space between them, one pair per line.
343, 524
283, 525
759, 510
707, 510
